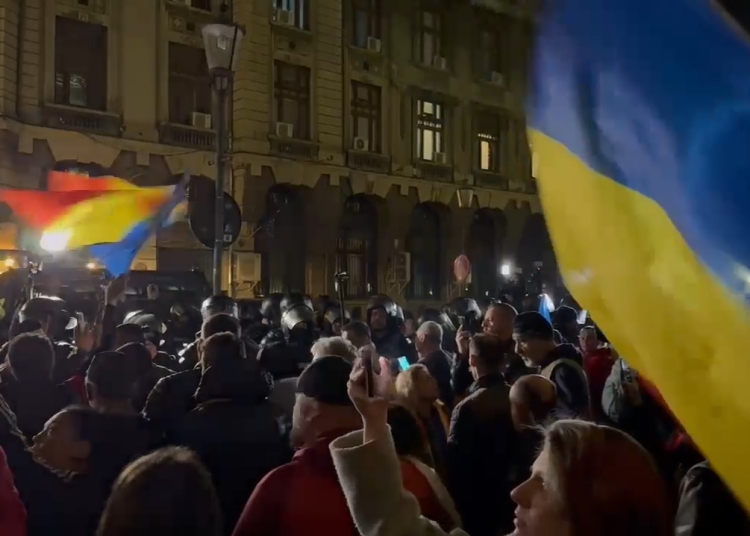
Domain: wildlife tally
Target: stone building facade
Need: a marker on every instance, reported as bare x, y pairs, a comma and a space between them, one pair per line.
379, 137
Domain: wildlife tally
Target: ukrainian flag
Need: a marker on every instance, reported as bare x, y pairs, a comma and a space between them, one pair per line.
640, 120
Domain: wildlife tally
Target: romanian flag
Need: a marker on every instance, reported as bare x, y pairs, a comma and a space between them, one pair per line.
639, 118
109, 215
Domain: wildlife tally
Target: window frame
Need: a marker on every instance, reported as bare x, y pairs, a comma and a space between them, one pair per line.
497, 137
95, 74
300, 9
372, 11
372, 112
421, 120
301, 96
437, 33
489, 59
194, 80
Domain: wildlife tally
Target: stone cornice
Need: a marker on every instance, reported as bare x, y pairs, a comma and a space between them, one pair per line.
102, 150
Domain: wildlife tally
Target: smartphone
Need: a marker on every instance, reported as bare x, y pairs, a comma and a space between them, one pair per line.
369, 385
403, 363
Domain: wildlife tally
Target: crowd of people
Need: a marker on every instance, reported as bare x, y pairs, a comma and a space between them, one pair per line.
389, 425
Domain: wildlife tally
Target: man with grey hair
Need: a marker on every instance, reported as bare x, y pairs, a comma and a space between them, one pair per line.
429, 343
337, 346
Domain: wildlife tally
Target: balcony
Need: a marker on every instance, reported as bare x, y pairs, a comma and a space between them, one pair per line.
430, 171
293, 148
81, 120
487, 179
187, 136
367, 161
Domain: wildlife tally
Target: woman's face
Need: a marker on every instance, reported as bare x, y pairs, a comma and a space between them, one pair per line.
540, 510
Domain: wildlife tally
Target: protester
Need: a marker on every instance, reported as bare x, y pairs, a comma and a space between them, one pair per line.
559, 363
229, 422
429, 344
481, 443
33, 396
575, 487
166, 493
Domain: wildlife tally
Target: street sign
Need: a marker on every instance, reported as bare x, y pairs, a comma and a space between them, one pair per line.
201, 192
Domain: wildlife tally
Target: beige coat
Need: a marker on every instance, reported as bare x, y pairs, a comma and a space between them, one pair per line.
370, 476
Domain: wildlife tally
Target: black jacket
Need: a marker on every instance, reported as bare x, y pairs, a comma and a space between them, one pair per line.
706, 505
239, 436
440, 365
481, 445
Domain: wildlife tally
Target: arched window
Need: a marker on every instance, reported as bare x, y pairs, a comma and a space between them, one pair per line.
424, 246
356, 247
281, 242
483, 254
536, 247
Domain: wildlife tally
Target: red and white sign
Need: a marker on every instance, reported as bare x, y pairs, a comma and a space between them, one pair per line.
461, 268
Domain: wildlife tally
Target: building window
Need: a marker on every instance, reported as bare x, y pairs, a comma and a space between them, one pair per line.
491, 139
297, 9
366, 21
291, 94
80, 64
430, 37
490, 56
356, 247
430, 130
366, 116
189, 84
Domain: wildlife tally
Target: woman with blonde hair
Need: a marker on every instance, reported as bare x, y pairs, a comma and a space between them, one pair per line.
166, 493
418, 391
589, 480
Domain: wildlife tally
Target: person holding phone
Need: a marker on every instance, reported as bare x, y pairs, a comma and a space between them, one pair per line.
429, 344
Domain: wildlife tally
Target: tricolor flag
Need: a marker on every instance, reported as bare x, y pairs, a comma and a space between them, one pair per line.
110, 216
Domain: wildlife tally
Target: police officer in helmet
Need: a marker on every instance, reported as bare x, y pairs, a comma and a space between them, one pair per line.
383, 319
285, 351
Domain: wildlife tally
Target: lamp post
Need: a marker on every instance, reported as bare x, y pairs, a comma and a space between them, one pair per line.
222, 43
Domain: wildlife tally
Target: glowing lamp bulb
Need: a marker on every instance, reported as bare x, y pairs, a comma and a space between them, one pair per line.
55, 241
505, 269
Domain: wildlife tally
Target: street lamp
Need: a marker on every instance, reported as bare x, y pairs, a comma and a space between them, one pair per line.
222, 43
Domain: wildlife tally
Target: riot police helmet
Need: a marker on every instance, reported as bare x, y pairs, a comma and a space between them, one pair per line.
49, 310
271, 308
147, 320
439, 317
381, 301
295, 298
333, 314
298, 316
218, 304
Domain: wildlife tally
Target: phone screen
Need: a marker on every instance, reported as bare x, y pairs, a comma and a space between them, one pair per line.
403, 362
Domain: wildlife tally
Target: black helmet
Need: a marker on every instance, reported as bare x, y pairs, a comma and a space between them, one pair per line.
439, 317
296, 315
52, 308
383, 302
146, 320
295, 298
333, 314
218, 304
271, 308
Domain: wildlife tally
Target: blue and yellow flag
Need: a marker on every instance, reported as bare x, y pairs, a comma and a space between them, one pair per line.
640, 119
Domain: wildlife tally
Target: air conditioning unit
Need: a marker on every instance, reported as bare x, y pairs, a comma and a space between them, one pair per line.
497, 78
373, 44
439, 62
199, 120
284, 130
440, 158
284, 17
248, 267
361, 144
402, 266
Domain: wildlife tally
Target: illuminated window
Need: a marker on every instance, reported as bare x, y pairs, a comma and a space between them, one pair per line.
491, 136
430, 129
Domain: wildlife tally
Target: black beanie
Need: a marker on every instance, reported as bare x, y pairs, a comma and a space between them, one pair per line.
326, 380
533, 325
